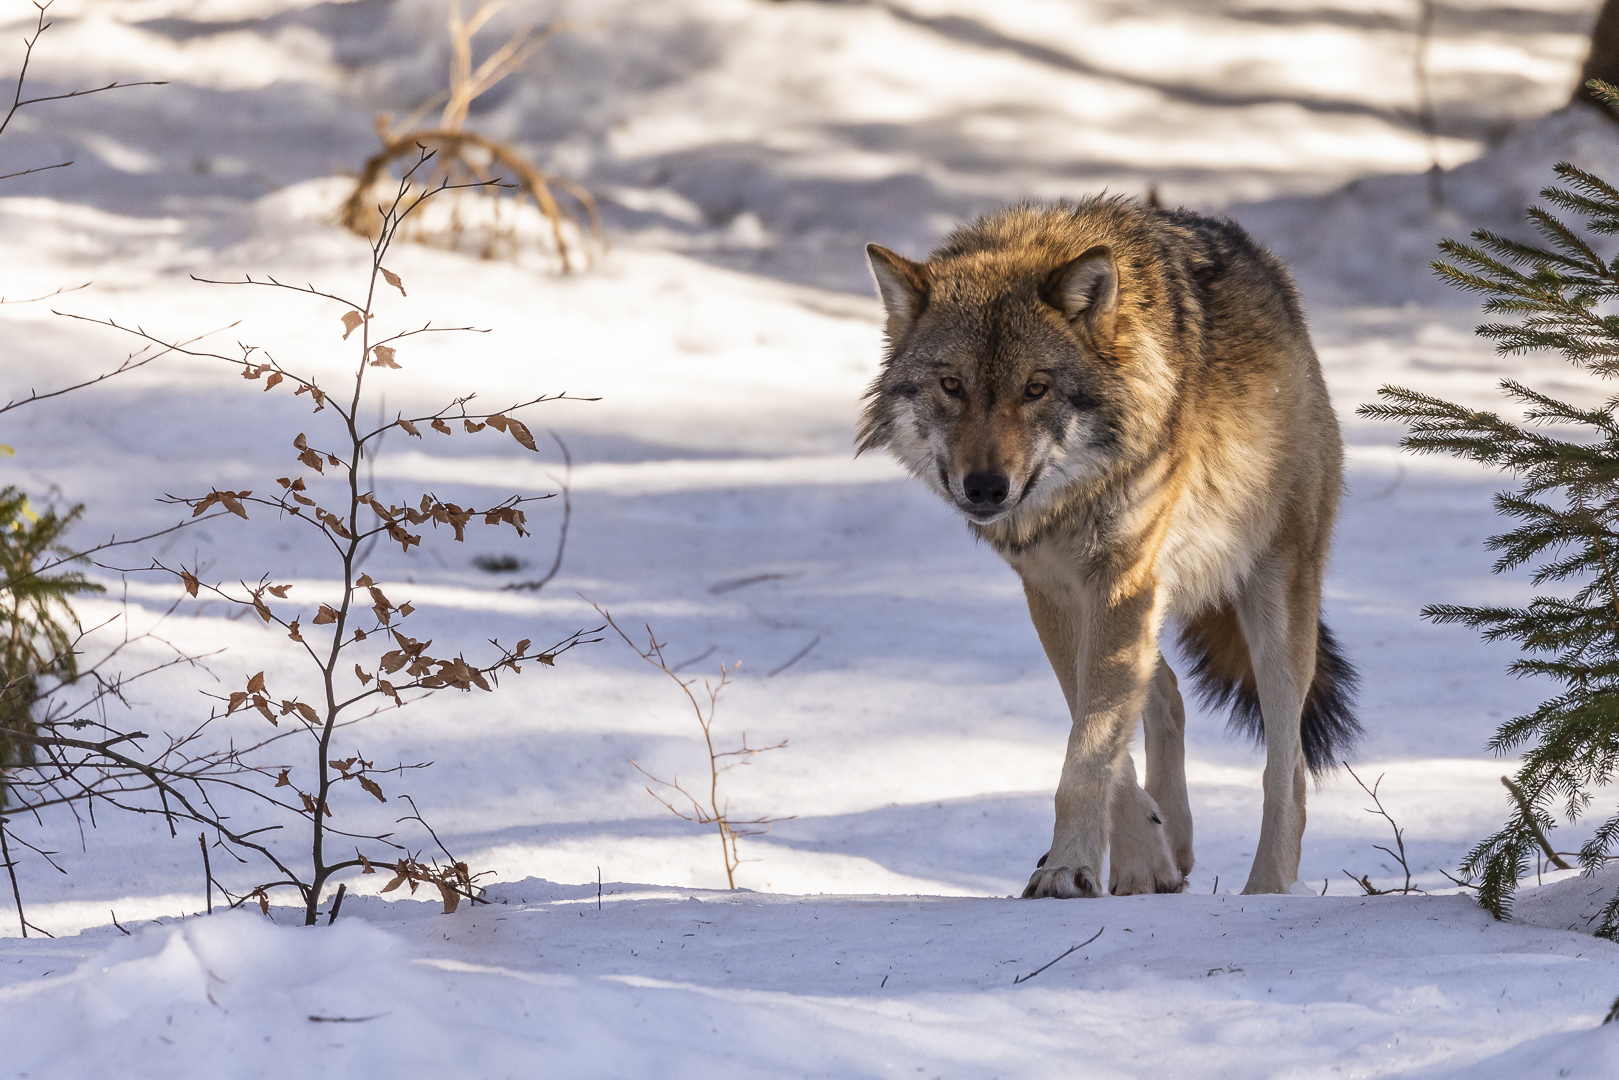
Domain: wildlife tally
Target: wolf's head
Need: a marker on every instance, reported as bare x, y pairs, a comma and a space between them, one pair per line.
1002, 386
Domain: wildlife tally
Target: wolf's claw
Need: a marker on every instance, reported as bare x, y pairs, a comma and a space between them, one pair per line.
1063, 882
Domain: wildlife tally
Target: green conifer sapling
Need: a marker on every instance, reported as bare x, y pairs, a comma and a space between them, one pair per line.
1565, 506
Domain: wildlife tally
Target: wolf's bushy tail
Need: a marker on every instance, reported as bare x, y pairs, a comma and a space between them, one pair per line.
1223, 672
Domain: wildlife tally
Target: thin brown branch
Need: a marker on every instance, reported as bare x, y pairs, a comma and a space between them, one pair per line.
18, 102
1527, 814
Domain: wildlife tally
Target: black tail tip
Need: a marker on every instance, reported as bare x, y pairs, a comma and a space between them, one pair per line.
1328, 730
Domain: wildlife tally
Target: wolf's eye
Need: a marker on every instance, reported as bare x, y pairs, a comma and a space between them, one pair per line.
952, 386
1034, 390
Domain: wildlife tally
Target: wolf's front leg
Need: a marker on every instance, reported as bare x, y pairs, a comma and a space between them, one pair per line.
1139, 858
1114, 658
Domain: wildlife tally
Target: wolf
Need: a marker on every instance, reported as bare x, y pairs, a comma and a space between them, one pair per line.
1123, 401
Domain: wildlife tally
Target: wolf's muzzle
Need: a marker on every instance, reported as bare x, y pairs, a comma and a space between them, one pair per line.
985, 490
984, 495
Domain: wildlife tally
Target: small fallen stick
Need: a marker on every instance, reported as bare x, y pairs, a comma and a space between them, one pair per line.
1025, 978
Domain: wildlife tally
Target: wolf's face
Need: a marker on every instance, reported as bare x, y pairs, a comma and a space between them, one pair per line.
996, 388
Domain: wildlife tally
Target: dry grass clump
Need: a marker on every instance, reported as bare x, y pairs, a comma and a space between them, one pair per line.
496, 202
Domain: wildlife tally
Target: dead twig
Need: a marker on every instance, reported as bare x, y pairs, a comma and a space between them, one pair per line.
1025, 978
18, 102
1364, 881
207, 871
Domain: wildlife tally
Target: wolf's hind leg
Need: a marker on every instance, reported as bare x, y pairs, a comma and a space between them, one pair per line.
1139, 859
1164, 724
1279, 612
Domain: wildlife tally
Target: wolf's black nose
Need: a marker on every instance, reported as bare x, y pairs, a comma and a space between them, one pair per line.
986, 487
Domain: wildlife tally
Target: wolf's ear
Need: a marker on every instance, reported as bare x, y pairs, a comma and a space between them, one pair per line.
904, 288
1086, 288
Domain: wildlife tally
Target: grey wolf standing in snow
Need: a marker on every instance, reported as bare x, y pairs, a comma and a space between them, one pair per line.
1123, 401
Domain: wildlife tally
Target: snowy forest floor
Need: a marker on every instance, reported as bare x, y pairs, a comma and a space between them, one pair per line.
730, 333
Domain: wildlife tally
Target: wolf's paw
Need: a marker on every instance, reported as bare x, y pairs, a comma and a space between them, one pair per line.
1062, 882
1135, 880
1140, 859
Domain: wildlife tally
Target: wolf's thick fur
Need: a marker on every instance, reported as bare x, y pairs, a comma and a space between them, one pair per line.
1125, 404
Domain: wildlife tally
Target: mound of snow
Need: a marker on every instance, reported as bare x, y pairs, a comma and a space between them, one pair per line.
1372, 239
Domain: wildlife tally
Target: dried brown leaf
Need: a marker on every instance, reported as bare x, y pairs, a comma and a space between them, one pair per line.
470, 426
452, 898
384, 357
359, 673
351, 323
373, 787
325, 615
189, 580
282, 781
393, 279
255, 685
521, 433
275, 377
410, 428
439, 425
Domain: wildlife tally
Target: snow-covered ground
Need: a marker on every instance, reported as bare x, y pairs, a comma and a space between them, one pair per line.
744, 150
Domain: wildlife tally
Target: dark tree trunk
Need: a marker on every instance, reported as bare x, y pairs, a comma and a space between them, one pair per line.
1603, 60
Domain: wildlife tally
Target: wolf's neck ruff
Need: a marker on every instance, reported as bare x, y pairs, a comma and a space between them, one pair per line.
1125, 403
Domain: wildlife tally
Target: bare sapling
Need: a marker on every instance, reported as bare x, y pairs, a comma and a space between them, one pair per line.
712, 808
355, 642
480, 212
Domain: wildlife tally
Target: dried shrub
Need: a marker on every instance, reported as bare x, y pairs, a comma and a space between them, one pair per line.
711, 809
502, 202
